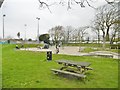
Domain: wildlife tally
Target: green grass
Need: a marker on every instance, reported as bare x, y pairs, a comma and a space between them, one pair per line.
25, 69
90, 49
30, 45
86, 44
97, 45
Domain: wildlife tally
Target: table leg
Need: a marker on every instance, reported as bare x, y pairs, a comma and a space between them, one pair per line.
83, 71
79, 69
65, 66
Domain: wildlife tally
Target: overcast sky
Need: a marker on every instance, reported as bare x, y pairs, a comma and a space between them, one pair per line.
21, 12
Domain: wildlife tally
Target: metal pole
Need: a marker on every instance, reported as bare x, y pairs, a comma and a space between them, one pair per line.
3, 25
38, 28
25, 32
25, 36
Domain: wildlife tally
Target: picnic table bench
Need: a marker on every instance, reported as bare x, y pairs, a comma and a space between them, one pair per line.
81, 67
56, 71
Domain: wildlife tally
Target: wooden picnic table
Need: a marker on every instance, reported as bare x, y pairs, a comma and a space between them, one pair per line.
64, 70
81, 66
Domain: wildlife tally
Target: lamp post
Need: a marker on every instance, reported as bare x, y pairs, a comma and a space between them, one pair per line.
38, 28
25, 31
3, 25
25, 36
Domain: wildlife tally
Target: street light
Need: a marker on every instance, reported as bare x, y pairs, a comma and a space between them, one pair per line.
25, 35
3, 25
25, 31
38, 28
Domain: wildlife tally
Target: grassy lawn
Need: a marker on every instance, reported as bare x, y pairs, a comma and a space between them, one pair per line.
30, 45
86, 44
90, 49
24, 69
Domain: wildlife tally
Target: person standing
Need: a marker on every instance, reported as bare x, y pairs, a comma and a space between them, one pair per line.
57, 50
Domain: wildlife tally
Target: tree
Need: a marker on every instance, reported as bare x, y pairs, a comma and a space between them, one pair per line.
18, 34
44, 38
68, 32
21, 39
114, 33
96, 29
105, 18
74, 36
82, 32
57, 34
29, 39
70, 3
88, 39
109, 16
99, 21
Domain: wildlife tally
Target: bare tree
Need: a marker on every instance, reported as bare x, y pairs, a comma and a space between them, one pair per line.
114, 33
99, 21
105, 18
109, 17
96, 29
74, 36
81, 33
70, 3
57, 34
68, 32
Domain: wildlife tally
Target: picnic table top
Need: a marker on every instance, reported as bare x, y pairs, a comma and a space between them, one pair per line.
71, 62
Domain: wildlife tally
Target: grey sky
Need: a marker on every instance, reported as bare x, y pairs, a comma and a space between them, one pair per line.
20, 12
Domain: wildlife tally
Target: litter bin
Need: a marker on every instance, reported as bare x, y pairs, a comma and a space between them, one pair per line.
49, 55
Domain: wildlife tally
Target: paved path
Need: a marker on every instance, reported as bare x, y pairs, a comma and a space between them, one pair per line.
74, 50
69, 50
